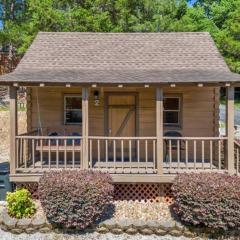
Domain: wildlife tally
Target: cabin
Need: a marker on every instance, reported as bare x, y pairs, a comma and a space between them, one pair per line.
140, 106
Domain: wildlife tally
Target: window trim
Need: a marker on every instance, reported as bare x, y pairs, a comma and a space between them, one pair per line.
179, 124
64, 108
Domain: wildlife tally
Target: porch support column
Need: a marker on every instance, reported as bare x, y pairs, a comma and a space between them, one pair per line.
159, 129
85, 159
230, 129
13, 128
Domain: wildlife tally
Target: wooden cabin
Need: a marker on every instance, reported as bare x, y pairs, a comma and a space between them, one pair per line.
140, 106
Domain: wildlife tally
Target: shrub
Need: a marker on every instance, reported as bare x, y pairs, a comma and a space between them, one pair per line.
20, 204
209, 200
74, 198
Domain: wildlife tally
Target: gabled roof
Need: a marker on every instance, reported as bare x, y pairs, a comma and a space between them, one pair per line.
75, 57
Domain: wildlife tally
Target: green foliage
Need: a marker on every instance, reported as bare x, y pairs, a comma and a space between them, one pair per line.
209, 200
74, 198
20, 204
24, 18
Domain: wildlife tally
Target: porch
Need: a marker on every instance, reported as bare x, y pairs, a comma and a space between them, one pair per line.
127, 155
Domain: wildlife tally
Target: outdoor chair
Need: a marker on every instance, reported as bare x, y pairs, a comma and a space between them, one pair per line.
174, 143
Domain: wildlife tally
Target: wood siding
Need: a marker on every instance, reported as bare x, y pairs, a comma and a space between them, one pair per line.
199, 110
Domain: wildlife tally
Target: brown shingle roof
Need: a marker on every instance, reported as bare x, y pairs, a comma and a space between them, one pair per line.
122, 58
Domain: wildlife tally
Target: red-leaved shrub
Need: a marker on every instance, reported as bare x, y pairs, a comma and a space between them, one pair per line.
74, 198
209, 200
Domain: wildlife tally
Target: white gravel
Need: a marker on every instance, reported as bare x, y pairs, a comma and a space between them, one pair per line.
90, 236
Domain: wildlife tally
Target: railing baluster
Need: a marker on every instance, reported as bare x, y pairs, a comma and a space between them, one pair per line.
146, 153
90, 155
65, 153
24, 152
21, 154
219, 155
41, 152
178, 154
33, 153
114, 153
57, 153
170, 155
99, 154
49, 153
138, 153
154, 154
186, 153
106, 150
17, 153
130, 154
211, 156
195, 153
122, 154
73, 153
203, 151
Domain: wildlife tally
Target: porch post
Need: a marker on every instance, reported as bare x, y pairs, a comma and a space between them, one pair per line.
85, 159
230, 129
159, 129
13, 128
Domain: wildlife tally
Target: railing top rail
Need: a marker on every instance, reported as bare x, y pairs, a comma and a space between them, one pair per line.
48, 137
121, 138
195, 138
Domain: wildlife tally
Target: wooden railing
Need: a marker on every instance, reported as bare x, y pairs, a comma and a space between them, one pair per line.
123, 154
237, 156
183, 154
36, 153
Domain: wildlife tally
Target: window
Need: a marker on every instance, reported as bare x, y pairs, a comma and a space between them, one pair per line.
72, 109
171, 110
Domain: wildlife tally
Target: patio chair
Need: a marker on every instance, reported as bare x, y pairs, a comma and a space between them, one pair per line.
174, 143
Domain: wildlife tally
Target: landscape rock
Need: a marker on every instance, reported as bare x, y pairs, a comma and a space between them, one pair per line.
109, 223
140, 224
17, 230
44, 230
101, 229
154, 224
30, 230
38, 220
116, 231
125, 223
146, 231
167, 225
8, 220
175, 233
160, 232
131, 231
24, 223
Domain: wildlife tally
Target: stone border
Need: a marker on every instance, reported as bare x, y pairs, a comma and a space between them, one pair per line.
160, 228
170, 226
38, 223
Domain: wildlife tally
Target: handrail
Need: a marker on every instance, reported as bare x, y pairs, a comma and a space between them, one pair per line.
121, 138
48, 137
195, 138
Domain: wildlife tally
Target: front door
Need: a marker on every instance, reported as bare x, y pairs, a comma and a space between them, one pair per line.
121, 122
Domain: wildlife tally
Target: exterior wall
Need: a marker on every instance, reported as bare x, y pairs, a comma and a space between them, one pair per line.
199, 110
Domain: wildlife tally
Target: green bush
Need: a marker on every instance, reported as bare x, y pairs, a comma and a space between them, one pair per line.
210, 200
20, 204
75, 198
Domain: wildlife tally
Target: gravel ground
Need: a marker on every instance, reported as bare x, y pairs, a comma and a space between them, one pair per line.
141, 211
87, 236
